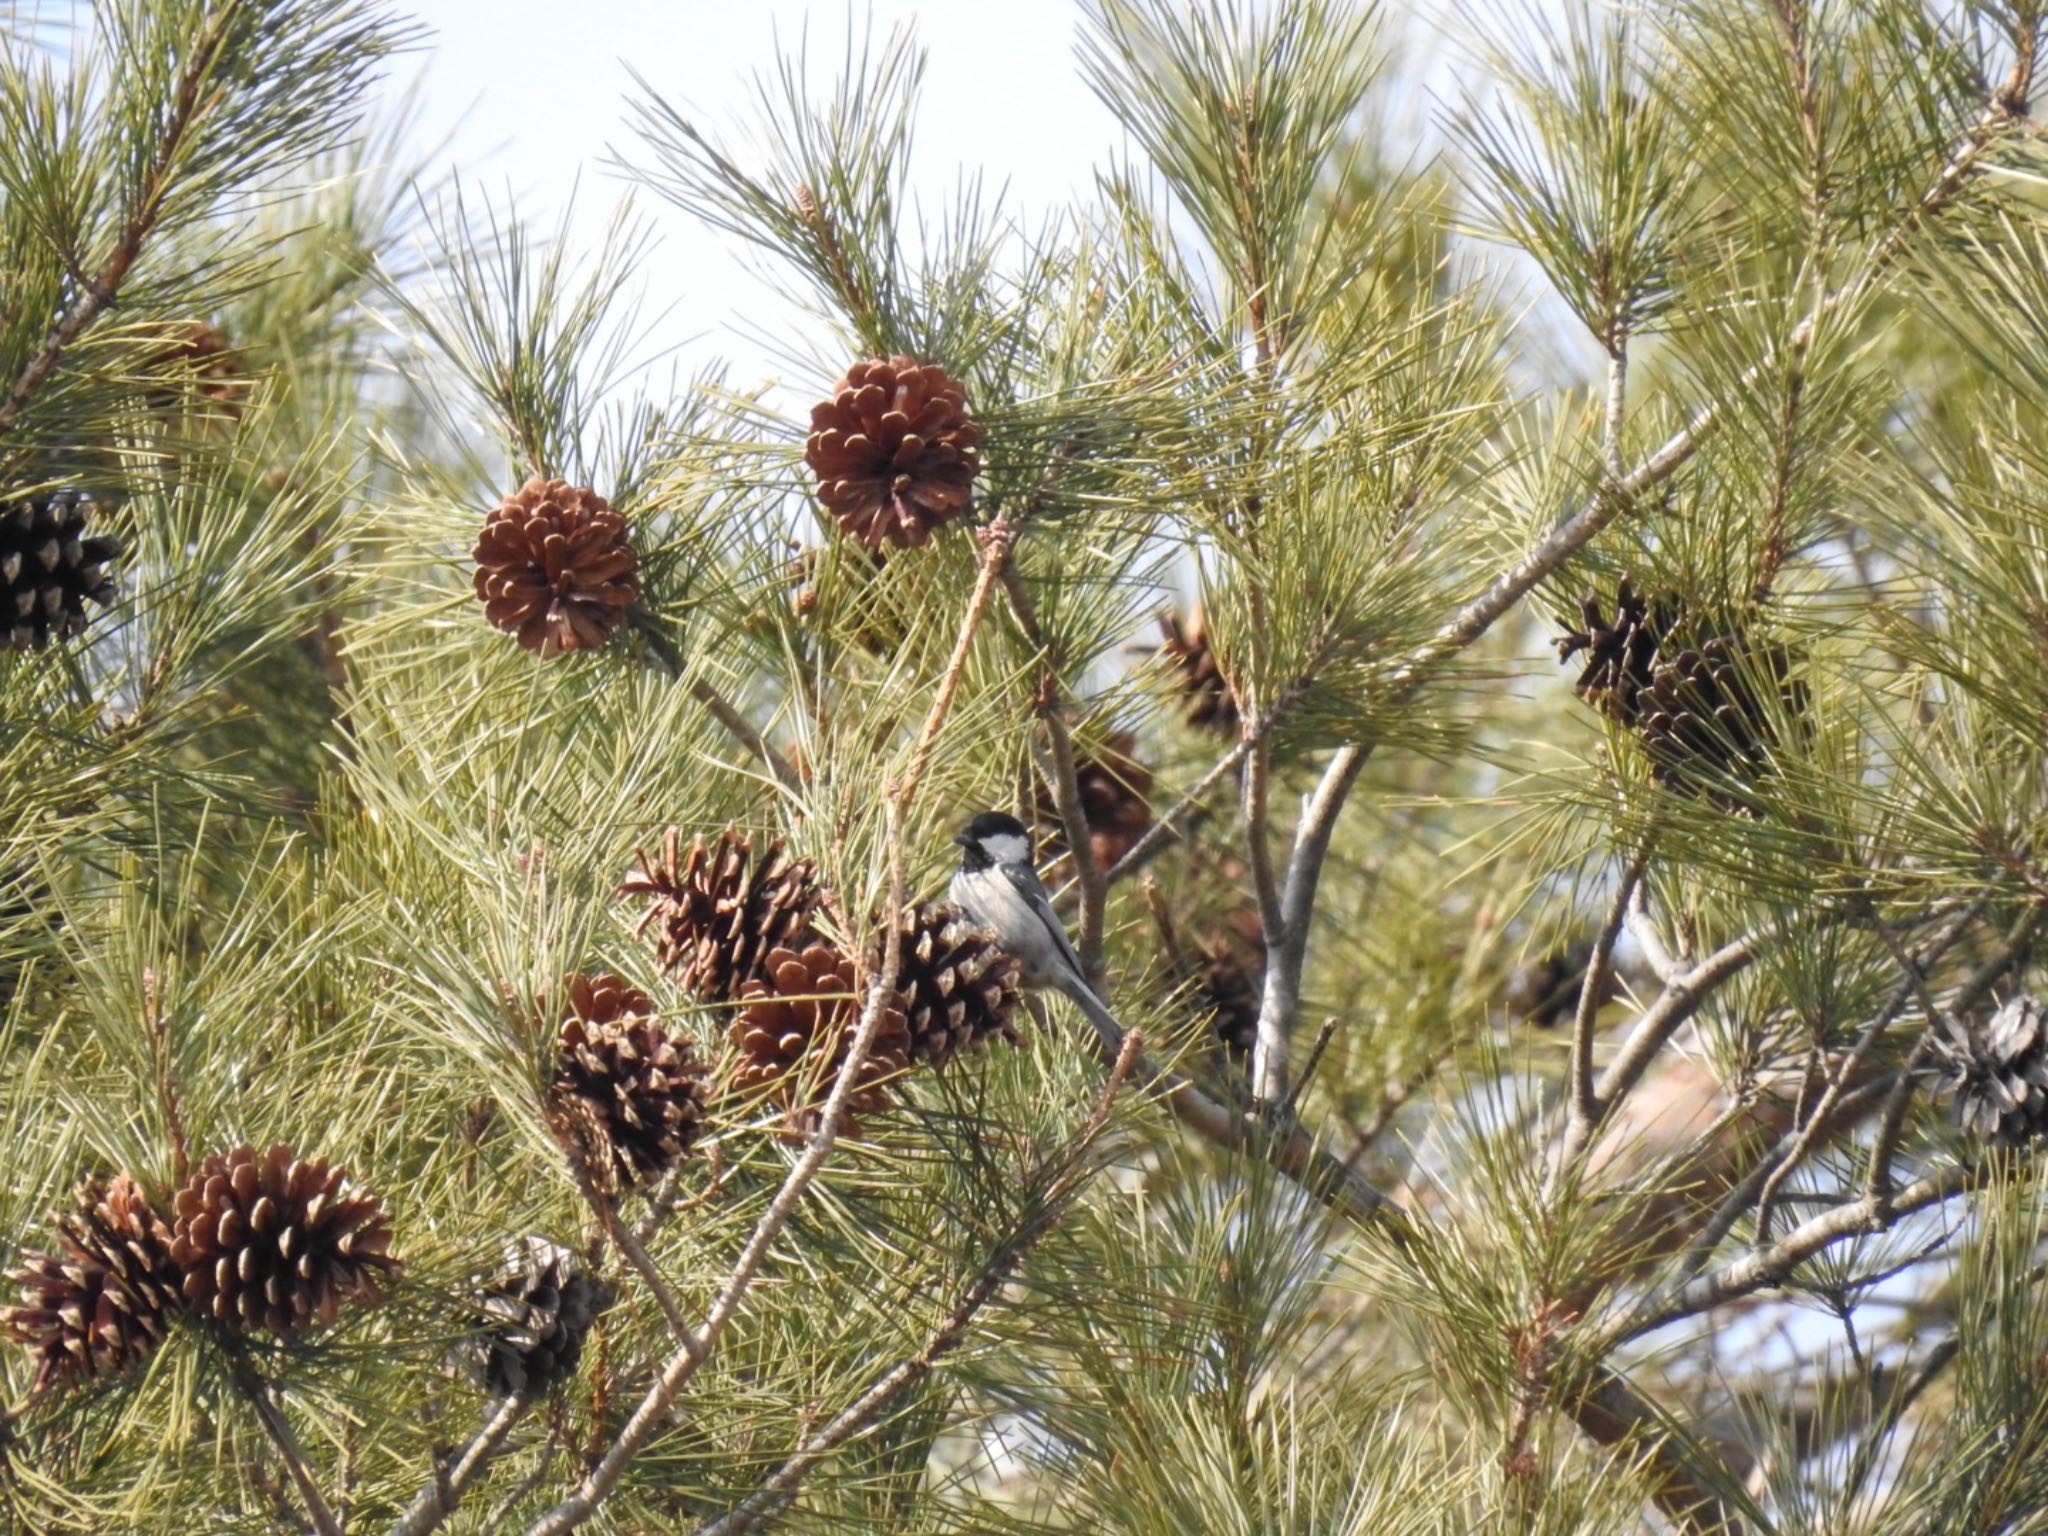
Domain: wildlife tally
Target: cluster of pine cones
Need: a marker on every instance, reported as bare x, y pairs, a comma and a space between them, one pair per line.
737, 925
257, 1242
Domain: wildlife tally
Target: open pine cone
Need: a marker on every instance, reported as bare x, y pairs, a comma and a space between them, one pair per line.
959, 989
1698, 693
632, 1091
894, 451
537, 1311
718, 908
792, 1038
1997, 1075
50, 569
264, 1240
1208, 703
100, 1304
554, 567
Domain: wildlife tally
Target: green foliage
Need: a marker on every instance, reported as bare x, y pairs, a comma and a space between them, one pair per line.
295, 847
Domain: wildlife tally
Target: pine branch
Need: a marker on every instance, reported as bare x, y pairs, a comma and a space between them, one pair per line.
1765, 1267
438, 1498
99, 293
1585, 1110
781, 1486
261, 1397
696, 1345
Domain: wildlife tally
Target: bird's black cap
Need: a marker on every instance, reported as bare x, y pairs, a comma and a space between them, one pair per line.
991, 824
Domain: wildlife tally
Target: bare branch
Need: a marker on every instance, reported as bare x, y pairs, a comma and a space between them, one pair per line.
1584, 1113
437, 1500
1764, 1267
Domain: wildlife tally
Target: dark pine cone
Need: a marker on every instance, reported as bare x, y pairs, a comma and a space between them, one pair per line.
49, 569
1114, 788
1228, 990
101, 1304
1208, 702
717, 909
554, 567
1545, 992
537, 1311
1997, 1076
792, 1038
621, 1074
959, 989
1696, 692
267, 1241
1621, 657
894, 451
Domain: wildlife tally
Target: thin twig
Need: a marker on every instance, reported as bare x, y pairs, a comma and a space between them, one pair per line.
168, 1096
781, 1485
1764, 1267
1163, 830
1275, 1030
1679, 1001
1909, 984
1665, 966
1089, 882
438, 1498
1584, 1113
261, 1397
1891, 1126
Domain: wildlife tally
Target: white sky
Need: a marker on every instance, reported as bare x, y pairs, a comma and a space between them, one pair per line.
532, 92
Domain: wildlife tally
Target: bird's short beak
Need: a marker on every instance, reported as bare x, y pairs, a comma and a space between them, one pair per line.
964, 839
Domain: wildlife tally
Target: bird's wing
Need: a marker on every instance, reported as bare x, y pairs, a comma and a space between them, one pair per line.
1031, 891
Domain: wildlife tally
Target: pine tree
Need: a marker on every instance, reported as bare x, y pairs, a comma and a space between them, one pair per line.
485, 1050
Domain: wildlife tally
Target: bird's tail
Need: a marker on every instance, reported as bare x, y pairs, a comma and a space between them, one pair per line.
1100, 1019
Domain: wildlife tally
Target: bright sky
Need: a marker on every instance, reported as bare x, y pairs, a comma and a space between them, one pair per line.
532, 92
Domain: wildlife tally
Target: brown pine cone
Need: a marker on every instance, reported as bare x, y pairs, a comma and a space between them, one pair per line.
1621, 656
50, 569
267, 1241
719, 908
103, 1302
554, 567
195, 356
1708, 708
792, 1038
1208, 703
1228, 991
1114, 788
1697, 691
537, 1311
636, 1084
894, 451
959, 989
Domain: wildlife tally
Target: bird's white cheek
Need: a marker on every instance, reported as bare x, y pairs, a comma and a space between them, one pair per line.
1008, 848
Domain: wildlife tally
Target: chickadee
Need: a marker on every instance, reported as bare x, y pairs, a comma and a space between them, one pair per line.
998, 887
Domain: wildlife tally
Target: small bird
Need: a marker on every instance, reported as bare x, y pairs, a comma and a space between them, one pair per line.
998, 887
